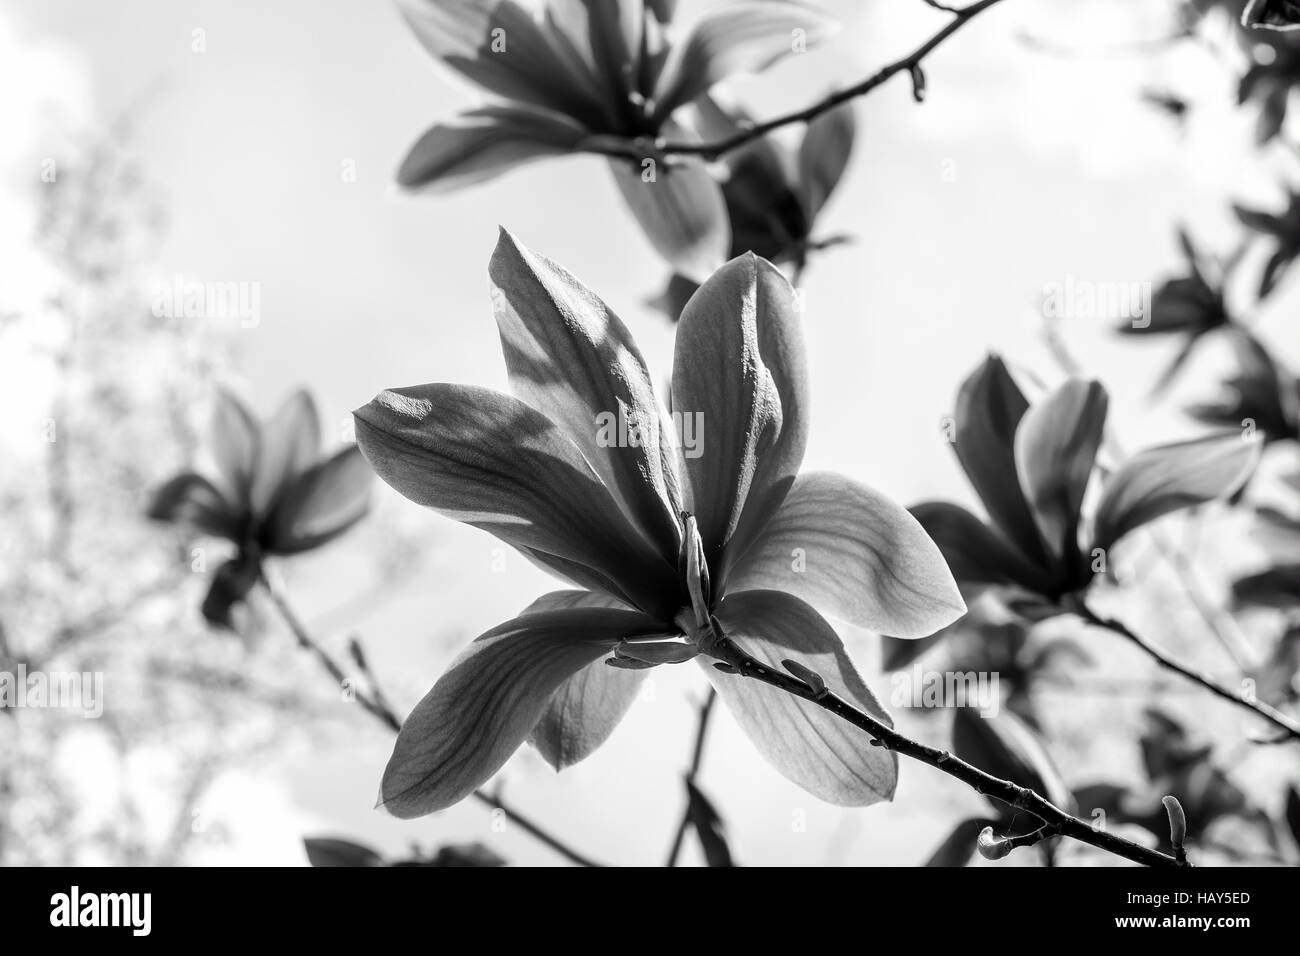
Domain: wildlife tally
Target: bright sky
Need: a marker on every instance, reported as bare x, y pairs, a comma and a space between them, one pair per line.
1021, 169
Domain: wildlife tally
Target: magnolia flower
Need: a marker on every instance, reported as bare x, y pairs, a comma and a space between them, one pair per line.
1191, 304
774, 192
667, 549
1031, 467
577, 75
273, 493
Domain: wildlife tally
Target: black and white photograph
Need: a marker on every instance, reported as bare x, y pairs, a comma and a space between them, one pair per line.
651, 433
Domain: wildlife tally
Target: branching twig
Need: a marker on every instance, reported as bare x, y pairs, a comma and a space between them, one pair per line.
376, 704
709, 152
1290, 729
697, 757
1056, 822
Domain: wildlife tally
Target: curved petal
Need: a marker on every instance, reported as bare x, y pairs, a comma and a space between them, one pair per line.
740, 38
574, 361
493, 462
190, 499
739, 364
236, 445
322, 503
504, 48
989, 408
824, 155
586, 708
976, 554
485, 143
1159, 480
681, 211
290, 445
830, 758
853, 554
488, 701
1056, 447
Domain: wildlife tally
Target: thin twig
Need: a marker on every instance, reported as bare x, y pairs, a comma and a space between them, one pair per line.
1290, 729
697, 757
712, 151
378, 707
1056, 822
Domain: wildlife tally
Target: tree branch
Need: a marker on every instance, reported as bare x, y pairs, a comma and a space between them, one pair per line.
1056, 822
1290, 729
697, 757
910, 64
376, 705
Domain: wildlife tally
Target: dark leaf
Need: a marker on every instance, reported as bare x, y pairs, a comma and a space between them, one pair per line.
708, 827
959, 846
230, 585
1005, 747
331, 852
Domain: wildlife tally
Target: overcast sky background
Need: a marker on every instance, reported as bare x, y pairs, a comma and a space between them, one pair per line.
1021, 170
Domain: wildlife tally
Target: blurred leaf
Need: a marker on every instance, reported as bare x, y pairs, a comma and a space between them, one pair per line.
458, 855
1293, 813
1160, 480
681, 211
230, 585
190, 499
1005, 747
236, 441
708, 827
484, 143
322, 503
331, 852
959, 846
1277, 587
743, 38
824, 155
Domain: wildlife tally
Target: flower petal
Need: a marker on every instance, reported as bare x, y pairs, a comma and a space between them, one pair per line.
574, 360
824, 155
290, 445
1056, 448
855, 555
989, 408
681, 211
740, 363
236, 445
493, 462
1159, 480
484, 143
190, 499
489, 700
830, 758
322, 503
977, 554
586, 708
740, 38
503, 47
1006, 747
